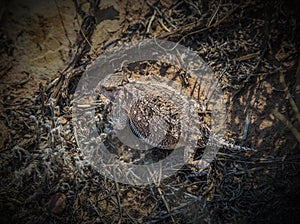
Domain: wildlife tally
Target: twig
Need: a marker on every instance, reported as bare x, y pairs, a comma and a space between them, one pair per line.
163, 25
63, 24
202, 29
19, 82
212, 18
292, 102
83, 34
226, 16
150, 22
119, 200
160, 14
247, 56
165, 201
288, 124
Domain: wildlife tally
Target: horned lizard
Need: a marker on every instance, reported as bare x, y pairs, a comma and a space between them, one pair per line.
159, 114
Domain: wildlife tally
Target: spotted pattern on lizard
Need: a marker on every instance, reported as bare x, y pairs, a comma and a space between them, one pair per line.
160, 114
156, 110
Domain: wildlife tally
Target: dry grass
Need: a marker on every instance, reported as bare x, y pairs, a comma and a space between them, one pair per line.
252, 48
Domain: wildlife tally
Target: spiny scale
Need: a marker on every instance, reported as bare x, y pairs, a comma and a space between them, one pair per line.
156, 121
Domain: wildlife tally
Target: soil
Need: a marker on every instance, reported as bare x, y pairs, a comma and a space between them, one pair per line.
253, 49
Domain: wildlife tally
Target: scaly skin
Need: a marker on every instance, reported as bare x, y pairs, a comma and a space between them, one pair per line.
159, 115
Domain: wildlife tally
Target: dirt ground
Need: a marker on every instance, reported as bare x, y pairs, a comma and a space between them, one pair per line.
251, 46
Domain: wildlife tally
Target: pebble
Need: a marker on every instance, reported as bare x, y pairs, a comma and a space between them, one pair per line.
57, 203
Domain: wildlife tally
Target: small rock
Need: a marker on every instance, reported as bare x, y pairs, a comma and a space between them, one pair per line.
57, 203
63, 120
